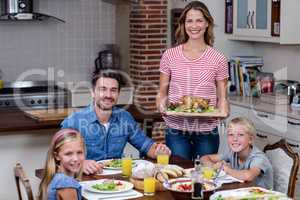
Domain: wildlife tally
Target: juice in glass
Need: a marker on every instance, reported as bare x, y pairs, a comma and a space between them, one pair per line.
149, 186
126, 166
163, 159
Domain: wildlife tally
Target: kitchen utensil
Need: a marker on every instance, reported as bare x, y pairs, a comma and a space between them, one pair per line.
105, 60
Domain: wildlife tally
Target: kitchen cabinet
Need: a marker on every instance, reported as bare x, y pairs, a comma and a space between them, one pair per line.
252, 18
252, 21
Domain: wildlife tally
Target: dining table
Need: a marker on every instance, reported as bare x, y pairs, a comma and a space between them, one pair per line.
161, 195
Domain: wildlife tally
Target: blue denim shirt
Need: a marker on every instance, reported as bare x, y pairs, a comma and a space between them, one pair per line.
102, 144
61, 181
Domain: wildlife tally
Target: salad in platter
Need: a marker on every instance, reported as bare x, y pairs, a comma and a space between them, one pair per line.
113, 163
109, 186
251, 193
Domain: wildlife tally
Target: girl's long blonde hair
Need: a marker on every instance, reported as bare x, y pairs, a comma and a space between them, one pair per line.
59, 139
182, 37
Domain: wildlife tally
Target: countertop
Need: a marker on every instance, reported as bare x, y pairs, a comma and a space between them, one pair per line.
18, 121
258, 105
13, 122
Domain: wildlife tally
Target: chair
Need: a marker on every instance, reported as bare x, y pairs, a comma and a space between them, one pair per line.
21, 177
285, 164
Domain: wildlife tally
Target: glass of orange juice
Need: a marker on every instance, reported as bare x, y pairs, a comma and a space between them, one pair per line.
149, 186
162, 158
126, 166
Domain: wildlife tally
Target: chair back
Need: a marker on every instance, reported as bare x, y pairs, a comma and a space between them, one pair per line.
285, 163
20, 177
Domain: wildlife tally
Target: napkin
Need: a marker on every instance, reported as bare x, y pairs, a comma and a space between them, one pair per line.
227, 179
110, 172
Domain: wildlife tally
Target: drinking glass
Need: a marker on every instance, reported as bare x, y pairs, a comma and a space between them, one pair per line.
126, 166
149, 186
162, 158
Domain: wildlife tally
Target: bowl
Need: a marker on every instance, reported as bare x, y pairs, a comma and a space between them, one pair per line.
181, 188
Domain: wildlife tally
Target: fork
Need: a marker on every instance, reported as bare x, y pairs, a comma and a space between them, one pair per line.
218, 173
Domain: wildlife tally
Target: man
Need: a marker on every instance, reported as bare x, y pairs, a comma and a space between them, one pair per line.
106, 128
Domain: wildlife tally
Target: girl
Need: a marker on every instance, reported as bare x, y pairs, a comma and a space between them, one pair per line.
64, 163
193, 68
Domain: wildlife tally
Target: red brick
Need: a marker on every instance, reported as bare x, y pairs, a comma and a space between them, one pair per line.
157, 16
157, 26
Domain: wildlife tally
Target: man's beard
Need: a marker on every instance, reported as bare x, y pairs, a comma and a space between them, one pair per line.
104, 108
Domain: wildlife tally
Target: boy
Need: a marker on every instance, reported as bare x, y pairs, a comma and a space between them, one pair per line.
244, 161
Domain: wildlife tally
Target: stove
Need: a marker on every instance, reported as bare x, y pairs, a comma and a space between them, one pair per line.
27, 95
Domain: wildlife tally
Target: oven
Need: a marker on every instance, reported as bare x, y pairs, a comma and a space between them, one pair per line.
28, 95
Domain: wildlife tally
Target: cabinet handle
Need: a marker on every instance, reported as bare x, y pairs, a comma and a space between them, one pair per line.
293, 123
293, 145
248, 17
261, 136
262, 115
252, 22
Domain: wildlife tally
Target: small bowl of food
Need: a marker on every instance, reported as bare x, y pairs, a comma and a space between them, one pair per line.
181, 188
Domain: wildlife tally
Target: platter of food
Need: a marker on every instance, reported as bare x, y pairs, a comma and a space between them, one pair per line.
115, 164
108, 186
191, 106
248, 193
185, 185
206, 173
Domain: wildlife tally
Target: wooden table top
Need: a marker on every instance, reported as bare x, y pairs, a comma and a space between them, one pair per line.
164, 194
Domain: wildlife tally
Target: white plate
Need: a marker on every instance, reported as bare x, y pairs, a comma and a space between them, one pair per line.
113, 168
126, 186
187, 173
246, 193
174, 183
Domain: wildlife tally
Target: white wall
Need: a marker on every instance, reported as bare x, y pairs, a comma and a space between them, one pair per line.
283, 58
28, 148
66, 49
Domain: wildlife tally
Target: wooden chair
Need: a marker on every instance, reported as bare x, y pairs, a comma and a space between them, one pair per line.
285, 164
21, 177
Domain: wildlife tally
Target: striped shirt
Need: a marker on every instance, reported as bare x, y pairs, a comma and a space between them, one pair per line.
195, 77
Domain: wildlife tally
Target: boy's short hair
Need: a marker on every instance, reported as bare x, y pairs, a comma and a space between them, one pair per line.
244, 122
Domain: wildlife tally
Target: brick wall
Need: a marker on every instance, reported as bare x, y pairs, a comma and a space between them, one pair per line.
148, 35
148, 38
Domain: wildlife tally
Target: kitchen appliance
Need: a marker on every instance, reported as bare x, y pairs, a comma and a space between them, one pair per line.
21, 10
288, 87
26, 95
105, 60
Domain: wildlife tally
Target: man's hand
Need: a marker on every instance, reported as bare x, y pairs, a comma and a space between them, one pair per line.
162, 149
158, 148
92, 167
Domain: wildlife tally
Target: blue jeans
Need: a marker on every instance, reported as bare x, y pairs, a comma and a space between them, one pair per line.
190, 144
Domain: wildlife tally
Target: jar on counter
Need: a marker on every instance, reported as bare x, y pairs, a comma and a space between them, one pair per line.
1, 80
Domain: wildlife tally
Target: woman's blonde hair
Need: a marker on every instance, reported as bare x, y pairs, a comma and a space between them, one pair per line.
182, 37
59, 139
250, 128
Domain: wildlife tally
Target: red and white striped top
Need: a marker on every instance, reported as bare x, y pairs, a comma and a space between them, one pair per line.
195, 77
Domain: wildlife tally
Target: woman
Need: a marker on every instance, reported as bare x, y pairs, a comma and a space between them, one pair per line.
193, 68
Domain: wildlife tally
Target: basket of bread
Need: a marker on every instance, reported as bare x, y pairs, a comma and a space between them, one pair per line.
161, 173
